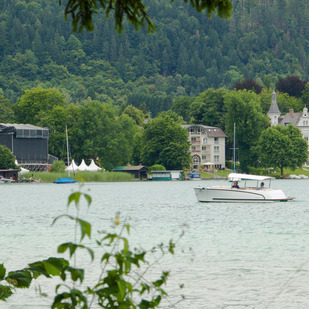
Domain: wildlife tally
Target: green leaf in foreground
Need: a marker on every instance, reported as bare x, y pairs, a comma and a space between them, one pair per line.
74, 197
2, 271
19, 278
85, 228
50, 267
72, 248
5, 292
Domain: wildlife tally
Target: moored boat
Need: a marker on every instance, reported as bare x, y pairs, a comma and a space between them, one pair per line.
65, 180
243, 193
6, 180
193, 176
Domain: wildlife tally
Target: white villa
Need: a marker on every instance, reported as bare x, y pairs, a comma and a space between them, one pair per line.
207, 146
299, 120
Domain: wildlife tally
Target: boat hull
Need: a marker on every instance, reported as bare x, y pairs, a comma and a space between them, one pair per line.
65, 180
221, 194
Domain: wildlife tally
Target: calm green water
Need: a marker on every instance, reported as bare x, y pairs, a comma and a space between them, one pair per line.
243, 255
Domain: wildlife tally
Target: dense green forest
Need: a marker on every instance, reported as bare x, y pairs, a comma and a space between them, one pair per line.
189, 53
103, 85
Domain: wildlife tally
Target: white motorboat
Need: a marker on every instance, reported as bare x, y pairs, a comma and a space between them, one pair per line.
244, 193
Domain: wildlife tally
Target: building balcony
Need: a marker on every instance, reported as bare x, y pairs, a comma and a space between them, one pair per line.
207, 151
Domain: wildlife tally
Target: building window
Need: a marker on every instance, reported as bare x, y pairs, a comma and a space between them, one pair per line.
203, 147
216, 159
205, 140
195, 140
204, 157
193, 147
216, 149
216, 139
195, 130
305, 122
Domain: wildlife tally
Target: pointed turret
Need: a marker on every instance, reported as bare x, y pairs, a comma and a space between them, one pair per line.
305, 111
274, 112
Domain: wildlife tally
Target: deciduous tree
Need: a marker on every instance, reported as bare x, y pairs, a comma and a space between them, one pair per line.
135, 113
7, 159
244, 109
292, 85
99, 133
207, 108
6, 111
249, 84
36, 102
181, 106
56, 121
165, 142
282, 147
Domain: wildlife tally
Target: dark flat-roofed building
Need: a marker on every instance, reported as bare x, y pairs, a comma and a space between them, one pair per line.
27, 142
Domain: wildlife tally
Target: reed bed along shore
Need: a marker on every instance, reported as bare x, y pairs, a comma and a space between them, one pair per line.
100, 176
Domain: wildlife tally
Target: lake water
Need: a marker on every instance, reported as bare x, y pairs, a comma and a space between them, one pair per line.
231, 256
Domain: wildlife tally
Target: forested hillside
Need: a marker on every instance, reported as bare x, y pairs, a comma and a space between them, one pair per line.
188, 54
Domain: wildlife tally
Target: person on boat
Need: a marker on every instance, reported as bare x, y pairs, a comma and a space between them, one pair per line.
235, 185
262, 186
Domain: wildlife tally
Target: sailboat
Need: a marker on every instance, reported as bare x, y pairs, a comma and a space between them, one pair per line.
66, 179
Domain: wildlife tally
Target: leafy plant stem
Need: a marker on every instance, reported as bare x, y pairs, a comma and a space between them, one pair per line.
103, 268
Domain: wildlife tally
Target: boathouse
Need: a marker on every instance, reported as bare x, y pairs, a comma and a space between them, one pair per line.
9, 174
139, 172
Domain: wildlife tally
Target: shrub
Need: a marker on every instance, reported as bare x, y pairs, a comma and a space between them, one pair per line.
157, 167
57, 167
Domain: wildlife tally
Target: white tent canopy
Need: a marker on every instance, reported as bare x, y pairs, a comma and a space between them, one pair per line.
83, 166
93, 167
208, 163
72, 167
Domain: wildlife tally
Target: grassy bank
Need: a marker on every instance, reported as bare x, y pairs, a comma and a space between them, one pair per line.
217, 174
100, 176
277, 173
